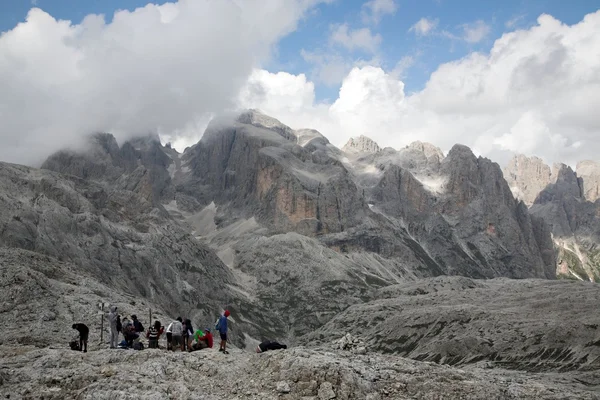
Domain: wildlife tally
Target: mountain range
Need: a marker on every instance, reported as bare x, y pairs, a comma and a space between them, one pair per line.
303, 241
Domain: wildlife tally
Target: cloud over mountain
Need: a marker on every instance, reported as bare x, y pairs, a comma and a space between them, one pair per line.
158, 68
536, 91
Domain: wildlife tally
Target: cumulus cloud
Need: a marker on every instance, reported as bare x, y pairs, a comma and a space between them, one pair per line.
357, 39
159, 68
537, 91
424, 26
374, 10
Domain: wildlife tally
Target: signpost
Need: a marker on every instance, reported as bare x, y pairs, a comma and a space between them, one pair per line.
101, 313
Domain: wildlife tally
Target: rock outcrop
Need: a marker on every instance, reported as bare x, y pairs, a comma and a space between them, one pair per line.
527, 177
361, 145
589, 172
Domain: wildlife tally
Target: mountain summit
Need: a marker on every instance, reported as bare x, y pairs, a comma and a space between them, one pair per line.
361, 144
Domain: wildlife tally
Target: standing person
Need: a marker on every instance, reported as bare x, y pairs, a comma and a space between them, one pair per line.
170, 336
176, 333
222, 327
114, 332
84, 332
154, 334
119, 326
188, 334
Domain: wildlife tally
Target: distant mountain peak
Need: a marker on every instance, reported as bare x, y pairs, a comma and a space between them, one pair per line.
361, 144
257, 118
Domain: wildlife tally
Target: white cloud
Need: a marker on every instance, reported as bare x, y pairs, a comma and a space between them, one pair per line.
515, 21
424, 26
330, 68
158, 68
537, 92
358, 39
402, 66
374, 10
475, 32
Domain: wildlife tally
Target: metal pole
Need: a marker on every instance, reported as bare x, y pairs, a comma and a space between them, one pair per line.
150, 318
102, 325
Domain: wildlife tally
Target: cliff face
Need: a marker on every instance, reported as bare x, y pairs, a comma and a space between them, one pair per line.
568, 204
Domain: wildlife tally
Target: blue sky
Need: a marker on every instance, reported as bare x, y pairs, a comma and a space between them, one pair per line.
425, 53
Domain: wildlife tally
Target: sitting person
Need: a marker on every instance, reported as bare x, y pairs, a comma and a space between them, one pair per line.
153, 335
204, 340
269, 345
129, 332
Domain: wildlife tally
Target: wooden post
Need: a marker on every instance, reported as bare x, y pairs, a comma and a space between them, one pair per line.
150, 318
102, 324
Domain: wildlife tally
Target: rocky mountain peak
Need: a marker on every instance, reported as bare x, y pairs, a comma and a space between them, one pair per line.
361, 144
527, 177
428, 149
257, 118
589, 172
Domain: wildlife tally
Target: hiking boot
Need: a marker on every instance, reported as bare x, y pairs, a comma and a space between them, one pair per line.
225, 352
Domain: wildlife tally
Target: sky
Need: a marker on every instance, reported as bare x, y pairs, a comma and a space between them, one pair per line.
502, 77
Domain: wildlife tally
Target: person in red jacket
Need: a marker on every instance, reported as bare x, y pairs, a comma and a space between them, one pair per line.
204, 340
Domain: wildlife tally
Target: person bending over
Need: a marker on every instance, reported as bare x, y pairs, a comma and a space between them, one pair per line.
84, 332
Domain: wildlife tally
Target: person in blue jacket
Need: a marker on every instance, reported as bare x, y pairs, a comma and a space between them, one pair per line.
222, 328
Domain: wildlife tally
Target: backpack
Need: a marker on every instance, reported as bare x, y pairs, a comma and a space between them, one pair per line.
119, 326
138, 346
74, 345
218, 324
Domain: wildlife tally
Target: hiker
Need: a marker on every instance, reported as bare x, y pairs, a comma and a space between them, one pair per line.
137, 325
113, 317
153, 335
204, 340
188, 334
84, 332
129, 333
119, 326
269, 345
174, 332
222, 328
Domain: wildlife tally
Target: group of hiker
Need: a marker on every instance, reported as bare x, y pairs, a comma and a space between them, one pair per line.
180, 334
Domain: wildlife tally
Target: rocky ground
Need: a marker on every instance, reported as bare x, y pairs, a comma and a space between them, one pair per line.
297, 373
530, 325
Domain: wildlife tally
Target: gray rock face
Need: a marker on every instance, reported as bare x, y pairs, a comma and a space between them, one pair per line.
527, 177
115, 237
361, 144
589, 172
139, 165
260, 172
567, 202
463, 214
524, 325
